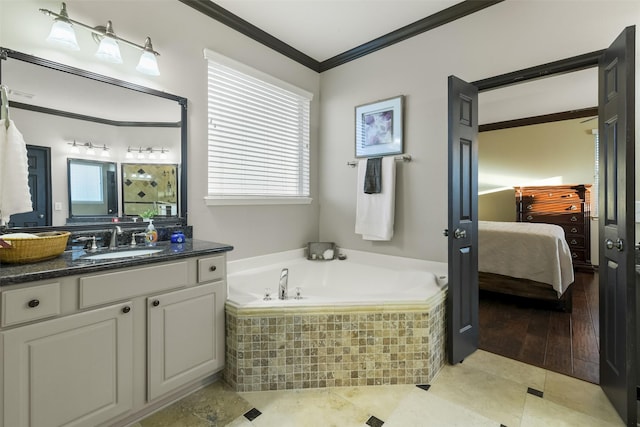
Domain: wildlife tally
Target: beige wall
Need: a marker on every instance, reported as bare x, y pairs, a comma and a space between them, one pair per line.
499, 39
544, 154
497, 206
180, 34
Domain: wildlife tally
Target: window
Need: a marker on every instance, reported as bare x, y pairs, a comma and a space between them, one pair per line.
258, 136
85, 182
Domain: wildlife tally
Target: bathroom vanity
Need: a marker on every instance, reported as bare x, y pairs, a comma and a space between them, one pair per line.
105, 342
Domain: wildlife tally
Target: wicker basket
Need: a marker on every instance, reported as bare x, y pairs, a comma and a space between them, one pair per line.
47, 245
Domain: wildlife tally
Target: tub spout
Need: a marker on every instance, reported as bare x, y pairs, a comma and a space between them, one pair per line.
284, 279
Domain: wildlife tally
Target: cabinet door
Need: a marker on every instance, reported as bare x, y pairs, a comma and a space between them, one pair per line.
186, 336
72, 371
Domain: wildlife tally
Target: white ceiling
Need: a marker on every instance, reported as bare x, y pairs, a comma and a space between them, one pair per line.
323, 29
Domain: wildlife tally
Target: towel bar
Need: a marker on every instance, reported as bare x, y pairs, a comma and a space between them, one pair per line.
404, 158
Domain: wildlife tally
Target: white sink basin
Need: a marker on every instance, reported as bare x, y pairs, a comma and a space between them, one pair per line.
123, 254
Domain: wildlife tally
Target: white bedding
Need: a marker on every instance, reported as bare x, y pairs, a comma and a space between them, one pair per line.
526, 250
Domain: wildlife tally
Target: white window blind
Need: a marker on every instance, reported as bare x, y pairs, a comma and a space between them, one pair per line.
258, 134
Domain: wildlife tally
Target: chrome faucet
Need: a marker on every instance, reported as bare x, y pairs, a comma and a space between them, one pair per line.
284, 279
113, 244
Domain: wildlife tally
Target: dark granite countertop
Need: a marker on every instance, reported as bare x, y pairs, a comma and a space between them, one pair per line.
74, 262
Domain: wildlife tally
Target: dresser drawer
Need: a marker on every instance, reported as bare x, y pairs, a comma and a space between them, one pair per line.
575, 241
120, 285
27, 304
542, 194
578, 255
559, 206
552, 218
573, 229
211, 269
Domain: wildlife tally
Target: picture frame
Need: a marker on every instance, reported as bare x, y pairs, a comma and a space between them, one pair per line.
379, 128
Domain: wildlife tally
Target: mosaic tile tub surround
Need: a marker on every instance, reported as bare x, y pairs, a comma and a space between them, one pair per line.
312, 347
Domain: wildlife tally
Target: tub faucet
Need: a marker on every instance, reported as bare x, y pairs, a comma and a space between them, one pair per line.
113, 244
284, 279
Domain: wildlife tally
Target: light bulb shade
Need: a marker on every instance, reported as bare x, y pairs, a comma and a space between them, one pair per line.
109, 50
129, 155
148, 64
62, 34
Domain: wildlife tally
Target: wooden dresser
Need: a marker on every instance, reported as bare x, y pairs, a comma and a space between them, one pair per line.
565, 205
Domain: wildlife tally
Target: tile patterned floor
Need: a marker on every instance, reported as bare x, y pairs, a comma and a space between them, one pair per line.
484, 390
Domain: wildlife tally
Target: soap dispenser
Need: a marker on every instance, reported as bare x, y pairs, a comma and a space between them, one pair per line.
151, 235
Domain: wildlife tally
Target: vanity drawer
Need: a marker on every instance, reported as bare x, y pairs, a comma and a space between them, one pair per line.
120, 285
27, 304
210, 269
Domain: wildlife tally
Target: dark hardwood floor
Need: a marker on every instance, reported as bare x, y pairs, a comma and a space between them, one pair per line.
536, 334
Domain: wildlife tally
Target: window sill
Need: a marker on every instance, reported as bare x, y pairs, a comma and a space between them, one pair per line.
248, 200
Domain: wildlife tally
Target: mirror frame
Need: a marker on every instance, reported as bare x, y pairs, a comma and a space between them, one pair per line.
100, 222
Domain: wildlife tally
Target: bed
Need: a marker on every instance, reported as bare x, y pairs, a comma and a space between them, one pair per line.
525, 259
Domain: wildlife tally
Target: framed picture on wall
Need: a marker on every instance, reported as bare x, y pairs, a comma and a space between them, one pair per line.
379, 128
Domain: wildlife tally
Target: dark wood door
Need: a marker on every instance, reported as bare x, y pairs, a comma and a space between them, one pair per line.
616, 100
39, 165
462, 296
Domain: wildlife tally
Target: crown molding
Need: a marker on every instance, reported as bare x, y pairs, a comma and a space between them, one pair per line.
233, 21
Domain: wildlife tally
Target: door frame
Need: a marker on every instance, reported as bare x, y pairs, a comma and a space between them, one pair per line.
567, 65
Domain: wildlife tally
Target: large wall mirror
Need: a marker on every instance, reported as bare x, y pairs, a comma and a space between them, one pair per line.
71, 118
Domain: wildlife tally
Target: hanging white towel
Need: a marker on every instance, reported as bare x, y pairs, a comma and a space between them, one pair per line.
375, 212
14, 173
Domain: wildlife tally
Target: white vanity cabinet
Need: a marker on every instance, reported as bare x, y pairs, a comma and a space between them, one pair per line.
71, 371
183, 343
106, 348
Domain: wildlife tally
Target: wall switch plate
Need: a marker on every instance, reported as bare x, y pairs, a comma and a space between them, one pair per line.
57, 206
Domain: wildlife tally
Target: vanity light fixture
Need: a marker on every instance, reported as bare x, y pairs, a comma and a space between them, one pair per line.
89, 147
91, 151
62, 33
147, 153
75, 149
108, 50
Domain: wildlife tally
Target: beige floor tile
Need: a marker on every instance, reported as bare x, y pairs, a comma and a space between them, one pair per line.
213, 406
489, 395
241, 421
423, 409
544, 413
305, 408
529, 375
580, 396
379, 401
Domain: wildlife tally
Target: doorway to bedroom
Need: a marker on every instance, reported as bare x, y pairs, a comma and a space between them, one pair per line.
521, 145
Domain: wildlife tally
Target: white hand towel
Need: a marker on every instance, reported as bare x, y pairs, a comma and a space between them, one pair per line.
375, 212
14, 173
